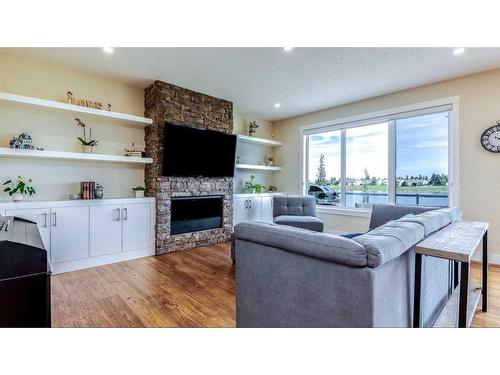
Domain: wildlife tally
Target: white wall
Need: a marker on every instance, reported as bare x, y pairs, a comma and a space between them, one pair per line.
57, 131
479, 170
252, 154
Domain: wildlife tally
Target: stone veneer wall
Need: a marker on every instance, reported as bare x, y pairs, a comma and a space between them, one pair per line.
169, 103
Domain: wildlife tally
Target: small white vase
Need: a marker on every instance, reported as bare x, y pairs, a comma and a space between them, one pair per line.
87, 149
139, 193
17, 197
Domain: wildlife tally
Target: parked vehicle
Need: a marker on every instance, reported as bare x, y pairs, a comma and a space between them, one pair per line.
324, 195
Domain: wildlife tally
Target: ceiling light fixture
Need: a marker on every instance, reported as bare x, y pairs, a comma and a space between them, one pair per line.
108, 50
287, 49
277, 105
458, 51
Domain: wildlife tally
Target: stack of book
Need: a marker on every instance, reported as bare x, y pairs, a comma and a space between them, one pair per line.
87, 190
137, 154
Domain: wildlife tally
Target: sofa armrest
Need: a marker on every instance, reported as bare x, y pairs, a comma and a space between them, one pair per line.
324, 246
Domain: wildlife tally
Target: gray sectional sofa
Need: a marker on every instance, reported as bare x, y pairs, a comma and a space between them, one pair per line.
291, 277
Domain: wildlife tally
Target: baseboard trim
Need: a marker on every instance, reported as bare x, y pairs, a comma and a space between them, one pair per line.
492, 258
100, 261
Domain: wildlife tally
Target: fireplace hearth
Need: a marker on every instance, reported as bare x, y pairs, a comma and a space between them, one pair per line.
193, 214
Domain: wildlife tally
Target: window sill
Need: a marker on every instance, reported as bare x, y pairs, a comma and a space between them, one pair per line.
356, 212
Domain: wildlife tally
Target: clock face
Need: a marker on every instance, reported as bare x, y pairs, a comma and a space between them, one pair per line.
490, 139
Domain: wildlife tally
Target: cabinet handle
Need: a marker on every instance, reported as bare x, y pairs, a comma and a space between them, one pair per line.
54, 224
117, 214
124, 214
250, 203
246, 203
45, 219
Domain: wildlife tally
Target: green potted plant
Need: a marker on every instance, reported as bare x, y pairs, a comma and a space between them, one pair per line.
18, 188
87, 144
252, 187
139, 191
251, 128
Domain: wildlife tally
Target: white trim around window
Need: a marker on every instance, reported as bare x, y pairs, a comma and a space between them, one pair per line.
450, 104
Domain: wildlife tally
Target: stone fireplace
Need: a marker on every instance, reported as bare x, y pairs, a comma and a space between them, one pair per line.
169, 103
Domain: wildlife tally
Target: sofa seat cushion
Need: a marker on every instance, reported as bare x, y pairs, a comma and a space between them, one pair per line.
324, 246
390, 240
305, 222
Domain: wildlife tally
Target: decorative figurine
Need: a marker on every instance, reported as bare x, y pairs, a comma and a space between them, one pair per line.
272, 188
270, 161
24, 142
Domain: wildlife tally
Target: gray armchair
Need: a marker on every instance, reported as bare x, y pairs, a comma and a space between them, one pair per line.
296, 211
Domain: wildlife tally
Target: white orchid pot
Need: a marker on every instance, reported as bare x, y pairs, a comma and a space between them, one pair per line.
139, 193
87, 149
18, 197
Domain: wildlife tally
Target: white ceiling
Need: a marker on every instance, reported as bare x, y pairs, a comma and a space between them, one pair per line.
303, 80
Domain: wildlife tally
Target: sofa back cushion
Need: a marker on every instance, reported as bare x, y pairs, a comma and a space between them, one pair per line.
295, 205
392, 239
383, 213
389, 241
435, 219
300, 241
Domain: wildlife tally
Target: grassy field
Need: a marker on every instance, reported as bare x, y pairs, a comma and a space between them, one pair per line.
400, 189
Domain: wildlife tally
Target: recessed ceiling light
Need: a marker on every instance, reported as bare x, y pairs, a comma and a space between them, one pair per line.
287, 49
458, 51
108, 50
277, 105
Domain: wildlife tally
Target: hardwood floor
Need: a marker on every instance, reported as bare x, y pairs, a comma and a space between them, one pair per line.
193, 288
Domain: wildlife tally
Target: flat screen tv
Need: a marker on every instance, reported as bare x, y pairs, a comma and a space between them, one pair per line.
190, 152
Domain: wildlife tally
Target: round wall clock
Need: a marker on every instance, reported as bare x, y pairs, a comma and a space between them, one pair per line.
490, 139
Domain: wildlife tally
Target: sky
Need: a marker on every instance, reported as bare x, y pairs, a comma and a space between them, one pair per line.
422, 148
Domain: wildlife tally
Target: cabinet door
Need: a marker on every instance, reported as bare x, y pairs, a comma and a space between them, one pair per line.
255, 210
240, 210
136, 220
39, 216
267, 209
69, 233
105, 230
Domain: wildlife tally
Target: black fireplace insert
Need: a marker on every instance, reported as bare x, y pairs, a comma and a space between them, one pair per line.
192, 214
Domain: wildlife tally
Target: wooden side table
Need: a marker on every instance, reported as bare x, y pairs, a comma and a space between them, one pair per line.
456, 242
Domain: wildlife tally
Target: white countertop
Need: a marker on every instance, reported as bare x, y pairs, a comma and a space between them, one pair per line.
266, 194
71, 203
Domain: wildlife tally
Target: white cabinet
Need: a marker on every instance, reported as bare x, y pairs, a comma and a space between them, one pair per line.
105, 230
136, 219
255, 209
69, 233
41, 216
83, 234
252, 208
240, 212
267, 209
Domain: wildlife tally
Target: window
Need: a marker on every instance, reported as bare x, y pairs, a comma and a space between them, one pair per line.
422, 160
401, 158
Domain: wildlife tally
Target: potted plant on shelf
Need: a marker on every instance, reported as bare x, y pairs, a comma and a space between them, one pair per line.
139, 191
87, 144
17, 189
252, 187
251, 128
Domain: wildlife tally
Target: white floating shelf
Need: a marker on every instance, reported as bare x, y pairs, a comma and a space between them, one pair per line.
37, 154
259, 141
257, 167
53, 105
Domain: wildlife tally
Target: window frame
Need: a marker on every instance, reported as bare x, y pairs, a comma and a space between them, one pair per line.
390, 115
